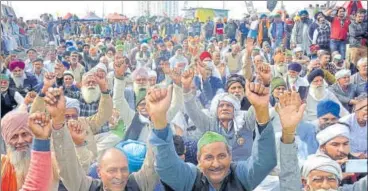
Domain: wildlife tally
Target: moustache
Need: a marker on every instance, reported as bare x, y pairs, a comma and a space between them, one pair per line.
218, 169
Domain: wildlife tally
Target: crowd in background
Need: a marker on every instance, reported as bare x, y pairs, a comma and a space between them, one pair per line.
271, 102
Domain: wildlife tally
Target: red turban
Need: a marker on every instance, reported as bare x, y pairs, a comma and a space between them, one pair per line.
12, 122
205, 55
16, 63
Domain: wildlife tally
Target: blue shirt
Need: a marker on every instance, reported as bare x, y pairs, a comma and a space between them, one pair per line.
243, 29
250, 173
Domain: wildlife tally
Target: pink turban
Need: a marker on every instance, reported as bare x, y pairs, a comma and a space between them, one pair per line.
142, 72
12, 122
16, 63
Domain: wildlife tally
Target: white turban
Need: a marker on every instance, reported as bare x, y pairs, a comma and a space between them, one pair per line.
323, 163
72, 103
342, 73
101, 66
331, 132
224, 97
142, 72
152, 73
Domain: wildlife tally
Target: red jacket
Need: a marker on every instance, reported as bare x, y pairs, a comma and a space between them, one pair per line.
339, 32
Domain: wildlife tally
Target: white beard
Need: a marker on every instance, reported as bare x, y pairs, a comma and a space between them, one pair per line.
292, 80
281, 69
317, 93
91, 95
18, 81
137, 87
20, 160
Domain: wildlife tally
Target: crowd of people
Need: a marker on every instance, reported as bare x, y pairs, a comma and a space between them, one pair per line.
274, 102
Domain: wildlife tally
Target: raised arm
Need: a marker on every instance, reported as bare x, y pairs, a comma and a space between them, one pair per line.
39, 174
168, 165
104, 111
247, 61
199, 118
71, 172
120, 102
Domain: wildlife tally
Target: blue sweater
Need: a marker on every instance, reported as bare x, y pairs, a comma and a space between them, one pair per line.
250, 172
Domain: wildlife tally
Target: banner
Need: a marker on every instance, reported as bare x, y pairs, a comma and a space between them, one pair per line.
271, 5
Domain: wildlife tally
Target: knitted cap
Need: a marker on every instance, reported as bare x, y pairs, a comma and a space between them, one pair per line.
277, 82
210, 137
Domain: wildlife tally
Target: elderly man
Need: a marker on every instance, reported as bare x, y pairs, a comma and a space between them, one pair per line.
224, 111
320, 172
317, 93
334, 142
360, 78
10, 99
71, 171
299, 35
358, 127
152, 77
137, 120
18, 139
178, 60
94, 122
293, 80
233, 59
236, 86
20, 80
70, 89
140, 80
279, 69
76, 68
91, 59
344, 90
278, 87
214, 151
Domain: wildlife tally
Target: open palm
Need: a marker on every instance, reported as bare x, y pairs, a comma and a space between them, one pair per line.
290, 110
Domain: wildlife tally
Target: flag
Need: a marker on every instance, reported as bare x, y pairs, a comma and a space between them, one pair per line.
271, 5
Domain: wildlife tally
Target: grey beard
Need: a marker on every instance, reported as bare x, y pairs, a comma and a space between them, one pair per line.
18, 81
137, 87
91, 95
20, 160
318, 92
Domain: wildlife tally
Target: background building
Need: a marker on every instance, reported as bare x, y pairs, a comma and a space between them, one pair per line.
159, 8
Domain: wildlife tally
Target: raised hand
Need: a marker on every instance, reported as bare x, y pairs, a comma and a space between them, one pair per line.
175, 75
187, 79
120, 68
250, 45
258, 96
77, 132
40, 125
264, 74
158, 101
290, 110
48, 81
30, 97
101, 81
55, 105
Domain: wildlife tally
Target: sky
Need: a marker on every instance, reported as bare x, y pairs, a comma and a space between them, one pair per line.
32, 9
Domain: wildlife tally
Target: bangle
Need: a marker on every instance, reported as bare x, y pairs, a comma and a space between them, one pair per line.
106, 92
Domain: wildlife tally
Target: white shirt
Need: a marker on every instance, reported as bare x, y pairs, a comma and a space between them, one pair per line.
50, 66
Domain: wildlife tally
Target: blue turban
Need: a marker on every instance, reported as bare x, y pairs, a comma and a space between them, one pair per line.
135, 152
262, 16
66, 64
314, 74
69, 43
295, 67
328, 106
233, 40
72, 49
303, 12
